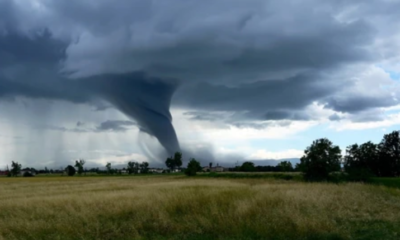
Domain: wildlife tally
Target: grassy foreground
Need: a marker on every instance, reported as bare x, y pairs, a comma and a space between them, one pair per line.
176, 207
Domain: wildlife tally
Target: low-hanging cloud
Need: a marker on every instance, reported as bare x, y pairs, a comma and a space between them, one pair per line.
115, 125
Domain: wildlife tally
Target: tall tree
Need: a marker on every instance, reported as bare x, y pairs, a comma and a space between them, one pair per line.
131, 167
361, 161
320, 159
144, 167
389, 155
15, 168
109, 169
79, 165
174, 162
170, 163
178, 159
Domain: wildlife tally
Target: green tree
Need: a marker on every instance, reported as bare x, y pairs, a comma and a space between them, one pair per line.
8, 172
174, 162
297, 167
144, 167
15, 168
362, 161
178, 159
285, 166
131, 167
79, 165
109, 169
320, 159
70, 170
170, 163
248, 167
193, 167
389, 155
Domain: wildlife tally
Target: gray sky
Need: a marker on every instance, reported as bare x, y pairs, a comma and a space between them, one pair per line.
223, 80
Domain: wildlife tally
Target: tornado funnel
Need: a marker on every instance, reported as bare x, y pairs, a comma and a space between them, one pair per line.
146, 100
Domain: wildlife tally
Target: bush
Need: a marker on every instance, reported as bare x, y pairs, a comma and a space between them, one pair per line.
360, 175
247, 167
70, 170
27, 174
284, 176
337, 177
193, 167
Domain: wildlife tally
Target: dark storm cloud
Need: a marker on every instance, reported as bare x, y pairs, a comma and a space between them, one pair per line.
334, 44
36, 76
39, 49
260, 60
115, 125
368, 116
263, 100
30, 65
204, 116
253, 40
335, 117
354, 104
261, 125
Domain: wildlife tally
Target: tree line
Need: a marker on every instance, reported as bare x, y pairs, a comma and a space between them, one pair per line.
78, 168
359, 163
320, 160
284, 166
131, 168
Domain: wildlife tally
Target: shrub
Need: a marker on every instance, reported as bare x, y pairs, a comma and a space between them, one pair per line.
285, 166
70, 170
359, 175
247, 167
337, 177
27, 174
193, 167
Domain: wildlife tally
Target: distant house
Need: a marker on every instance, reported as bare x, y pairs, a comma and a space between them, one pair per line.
156, 170
214, 169
3, 173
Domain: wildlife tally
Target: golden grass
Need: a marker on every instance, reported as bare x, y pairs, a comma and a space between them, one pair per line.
176, 207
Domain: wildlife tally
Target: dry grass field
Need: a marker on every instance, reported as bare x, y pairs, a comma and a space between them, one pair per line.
177, 207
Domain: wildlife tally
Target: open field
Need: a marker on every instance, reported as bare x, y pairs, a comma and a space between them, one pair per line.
177, 207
